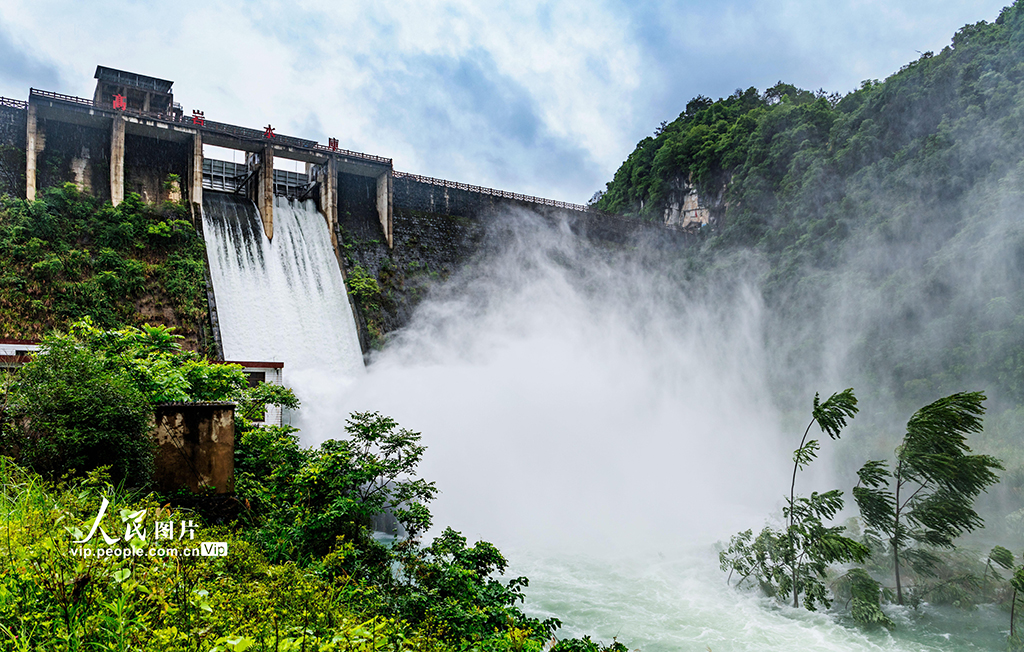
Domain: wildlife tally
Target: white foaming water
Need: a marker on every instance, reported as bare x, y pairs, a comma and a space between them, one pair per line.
678, 600
282, 300
604, 425
575, 399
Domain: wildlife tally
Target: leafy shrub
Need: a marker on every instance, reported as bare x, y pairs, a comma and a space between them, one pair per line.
302, 500
78, 414
86, 398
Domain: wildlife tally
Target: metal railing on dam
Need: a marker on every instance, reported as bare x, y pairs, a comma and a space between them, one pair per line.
13, 104
503, 194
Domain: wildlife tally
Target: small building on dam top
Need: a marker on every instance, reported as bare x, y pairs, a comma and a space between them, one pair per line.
131, 136
399, 230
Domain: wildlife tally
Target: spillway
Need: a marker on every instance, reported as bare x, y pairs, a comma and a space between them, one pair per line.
281, 300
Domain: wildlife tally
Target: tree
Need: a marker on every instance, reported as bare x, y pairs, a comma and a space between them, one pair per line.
74, 413
795, 560
805, 515
928, 498
302, 499
86, 398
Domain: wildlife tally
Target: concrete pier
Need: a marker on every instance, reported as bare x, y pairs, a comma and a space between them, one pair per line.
328, 179
384, 206
195, 183
265, 190
117, 161
33, 145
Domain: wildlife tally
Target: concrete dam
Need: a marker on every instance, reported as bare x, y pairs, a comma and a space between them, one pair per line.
401, 230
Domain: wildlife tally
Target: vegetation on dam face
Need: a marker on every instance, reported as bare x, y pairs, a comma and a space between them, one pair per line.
68, 256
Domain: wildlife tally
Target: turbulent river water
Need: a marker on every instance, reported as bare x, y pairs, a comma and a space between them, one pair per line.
604, 424
678, 600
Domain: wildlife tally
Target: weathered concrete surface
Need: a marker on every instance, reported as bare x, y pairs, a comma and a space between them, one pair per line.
265, 190
328, 180
34, 143
82, 172
12, 150
195, 183
117, 161
153, 168
385, 206
195, 446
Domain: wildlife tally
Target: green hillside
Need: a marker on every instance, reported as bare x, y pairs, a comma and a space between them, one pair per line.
68, 256
889, 219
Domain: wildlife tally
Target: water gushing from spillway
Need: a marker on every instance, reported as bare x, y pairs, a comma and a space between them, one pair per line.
604, 417
281, 300
600, 415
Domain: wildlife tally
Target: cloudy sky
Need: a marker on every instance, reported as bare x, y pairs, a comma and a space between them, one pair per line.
540, 97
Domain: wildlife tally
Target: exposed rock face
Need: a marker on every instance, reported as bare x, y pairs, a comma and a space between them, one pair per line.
685, 208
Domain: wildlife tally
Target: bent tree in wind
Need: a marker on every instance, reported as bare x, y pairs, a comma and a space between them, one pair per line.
927, 498
795, 561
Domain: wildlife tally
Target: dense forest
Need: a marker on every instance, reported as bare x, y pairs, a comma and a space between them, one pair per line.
886, 222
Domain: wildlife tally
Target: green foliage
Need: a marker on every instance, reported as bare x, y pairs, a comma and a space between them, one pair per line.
86, 398
73, 412
452, 584
998, 556
441, 597
314, 507
812, 547
865, 595
301, 500
928, 498
586, 645
67, 255
363, 287
51, 600
152, 356
1017, 582
796, 560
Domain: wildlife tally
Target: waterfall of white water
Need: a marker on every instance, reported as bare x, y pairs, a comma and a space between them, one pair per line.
282, 300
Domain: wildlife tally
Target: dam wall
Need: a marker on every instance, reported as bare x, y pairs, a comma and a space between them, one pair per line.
394, 234
13, 116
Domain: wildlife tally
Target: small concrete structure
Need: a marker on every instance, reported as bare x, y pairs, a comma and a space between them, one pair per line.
195, 446
264, 372
139, 92
14, 353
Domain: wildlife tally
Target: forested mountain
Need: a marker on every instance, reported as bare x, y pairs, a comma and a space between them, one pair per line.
890, 219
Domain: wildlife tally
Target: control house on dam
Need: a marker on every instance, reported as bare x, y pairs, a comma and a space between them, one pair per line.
132, 137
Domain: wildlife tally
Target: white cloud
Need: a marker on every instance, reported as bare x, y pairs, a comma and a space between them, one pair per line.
537, 96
